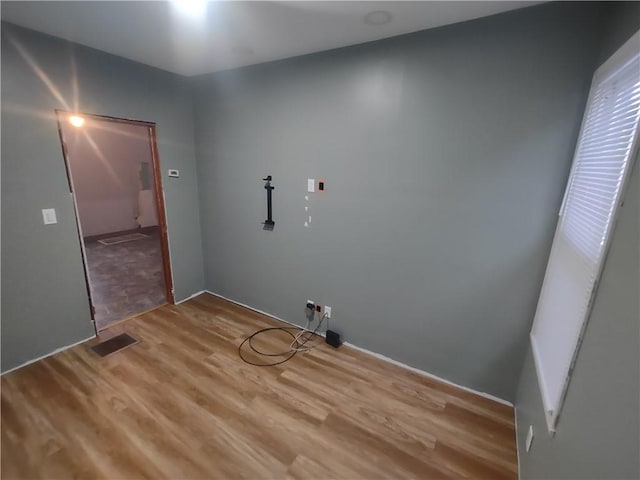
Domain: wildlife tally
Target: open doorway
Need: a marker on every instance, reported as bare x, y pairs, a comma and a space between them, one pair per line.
114, 176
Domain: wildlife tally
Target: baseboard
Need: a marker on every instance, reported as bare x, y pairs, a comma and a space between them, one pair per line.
193, 295
58, 350
102, 236
377, 355
431, 375
254, 309
62, 349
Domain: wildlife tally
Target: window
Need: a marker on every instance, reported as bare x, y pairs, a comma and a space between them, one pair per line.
603, 157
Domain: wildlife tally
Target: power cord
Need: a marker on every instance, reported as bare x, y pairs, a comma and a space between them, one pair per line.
295, 345
298, 344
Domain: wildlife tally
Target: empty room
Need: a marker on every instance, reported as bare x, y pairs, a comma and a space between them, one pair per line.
320, 240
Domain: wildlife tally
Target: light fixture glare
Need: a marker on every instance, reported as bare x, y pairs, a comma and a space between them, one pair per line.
192, 8
76, 121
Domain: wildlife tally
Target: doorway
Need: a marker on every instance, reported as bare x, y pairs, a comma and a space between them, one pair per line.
114, 176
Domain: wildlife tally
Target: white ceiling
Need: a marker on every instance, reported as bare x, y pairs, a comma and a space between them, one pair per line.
233, 33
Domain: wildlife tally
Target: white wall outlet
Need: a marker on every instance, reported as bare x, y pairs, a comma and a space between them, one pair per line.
529, 439
327, 311
173, 173
49, 216
311, 185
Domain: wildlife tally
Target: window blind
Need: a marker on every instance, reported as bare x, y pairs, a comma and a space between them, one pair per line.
602, 161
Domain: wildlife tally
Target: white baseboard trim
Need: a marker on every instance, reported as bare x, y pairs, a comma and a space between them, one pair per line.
57, 350
193, 295
254, 309
430, 375
377, 355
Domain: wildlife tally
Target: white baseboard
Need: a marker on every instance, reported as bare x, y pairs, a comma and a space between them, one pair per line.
82, 341
57, 350
254, 309
377, 355
430, 375
193, 295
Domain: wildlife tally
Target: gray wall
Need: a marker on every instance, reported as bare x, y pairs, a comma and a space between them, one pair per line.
599, 427
597, 432
44, 301
445, 155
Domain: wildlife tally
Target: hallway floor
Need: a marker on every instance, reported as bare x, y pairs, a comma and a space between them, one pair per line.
126, 278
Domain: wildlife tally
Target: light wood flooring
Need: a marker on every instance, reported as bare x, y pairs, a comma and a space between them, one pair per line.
181, 404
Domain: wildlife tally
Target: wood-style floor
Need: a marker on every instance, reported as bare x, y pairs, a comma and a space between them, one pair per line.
181, 404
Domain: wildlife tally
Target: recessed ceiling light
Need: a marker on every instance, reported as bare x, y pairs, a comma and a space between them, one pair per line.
76, 121
192, 8
378, 17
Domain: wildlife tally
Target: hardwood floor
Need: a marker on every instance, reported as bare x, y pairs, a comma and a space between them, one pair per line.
181, 404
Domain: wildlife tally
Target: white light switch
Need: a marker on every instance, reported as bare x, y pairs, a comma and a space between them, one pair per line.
49, 216
311, 185
173, 173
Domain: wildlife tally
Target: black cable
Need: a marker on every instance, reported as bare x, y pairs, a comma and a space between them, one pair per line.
285, 329
248, 339
291, 352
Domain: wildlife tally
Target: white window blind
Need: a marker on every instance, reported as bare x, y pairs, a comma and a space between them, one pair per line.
602, 161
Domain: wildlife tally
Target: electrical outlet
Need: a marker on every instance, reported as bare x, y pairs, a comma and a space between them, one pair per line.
327, 311
529, 439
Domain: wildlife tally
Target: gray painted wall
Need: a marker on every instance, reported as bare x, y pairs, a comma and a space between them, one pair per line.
599, 427
44, 301
445, 155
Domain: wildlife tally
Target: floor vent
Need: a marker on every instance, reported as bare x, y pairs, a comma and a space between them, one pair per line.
114, 344
123, 238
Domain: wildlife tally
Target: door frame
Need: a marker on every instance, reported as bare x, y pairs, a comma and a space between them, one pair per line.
62, 115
